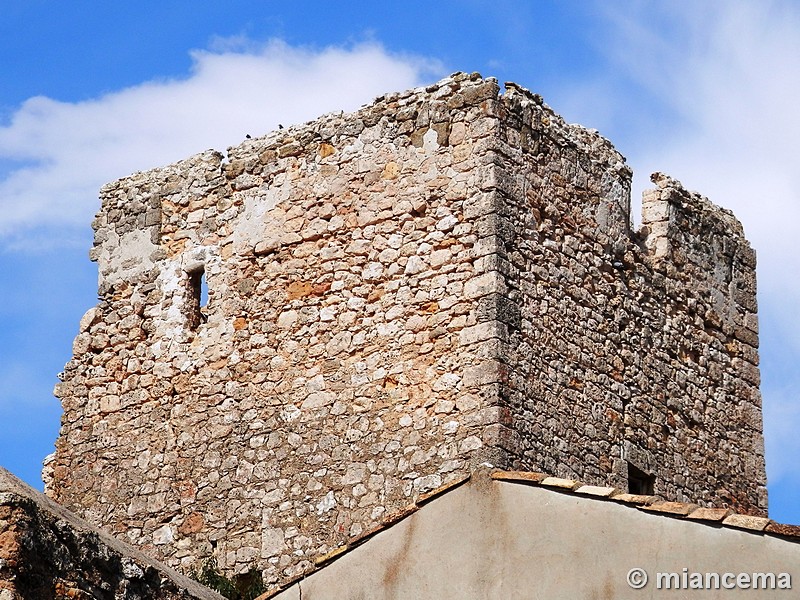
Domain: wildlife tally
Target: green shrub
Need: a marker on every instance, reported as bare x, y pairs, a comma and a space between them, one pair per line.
246, 586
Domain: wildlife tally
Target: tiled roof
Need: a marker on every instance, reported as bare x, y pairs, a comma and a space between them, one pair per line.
724, 517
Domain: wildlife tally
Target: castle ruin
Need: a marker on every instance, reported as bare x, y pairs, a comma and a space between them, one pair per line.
301, 337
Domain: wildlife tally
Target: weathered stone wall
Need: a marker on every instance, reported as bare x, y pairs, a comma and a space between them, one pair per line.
623, 347
48, 553
327, 383
443, 278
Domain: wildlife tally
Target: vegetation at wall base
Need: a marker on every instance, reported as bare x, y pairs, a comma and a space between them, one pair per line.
246, 586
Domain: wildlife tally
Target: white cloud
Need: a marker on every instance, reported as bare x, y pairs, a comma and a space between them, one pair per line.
727, 76
729, 73
68, 150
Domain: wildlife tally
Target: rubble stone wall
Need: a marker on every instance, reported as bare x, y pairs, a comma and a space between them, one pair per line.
46, 552
395, 296
623, 347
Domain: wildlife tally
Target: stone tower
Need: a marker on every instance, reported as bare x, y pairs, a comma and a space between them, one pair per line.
335, 318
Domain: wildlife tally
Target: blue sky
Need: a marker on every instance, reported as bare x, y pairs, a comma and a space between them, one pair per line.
705, 91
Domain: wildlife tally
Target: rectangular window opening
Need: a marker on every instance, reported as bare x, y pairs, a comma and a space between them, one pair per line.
640, 482
196, 298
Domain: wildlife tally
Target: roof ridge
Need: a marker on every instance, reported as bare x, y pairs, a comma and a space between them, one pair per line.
653, 503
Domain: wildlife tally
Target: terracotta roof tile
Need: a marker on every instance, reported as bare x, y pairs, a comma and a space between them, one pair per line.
520, 476
597, 491
673, 508
710, 514
639, 499
560, 483
330, 556
424, 498
398, 516
786, 530
747, 522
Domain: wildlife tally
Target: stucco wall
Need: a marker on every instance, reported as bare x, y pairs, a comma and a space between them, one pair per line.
491, 539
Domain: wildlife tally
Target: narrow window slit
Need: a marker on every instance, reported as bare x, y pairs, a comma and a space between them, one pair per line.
196, 298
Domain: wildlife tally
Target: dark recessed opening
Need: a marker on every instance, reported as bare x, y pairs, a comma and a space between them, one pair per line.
640, 482
196, 298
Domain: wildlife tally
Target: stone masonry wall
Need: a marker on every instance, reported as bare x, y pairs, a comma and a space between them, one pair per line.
327, 383
48, 553
623, 347
442, 278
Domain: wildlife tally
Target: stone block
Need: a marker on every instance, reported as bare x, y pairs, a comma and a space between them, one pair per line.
747, 522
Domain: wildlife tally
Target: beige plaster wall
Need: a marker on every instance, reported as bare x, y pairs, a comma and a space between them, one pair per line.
491, 539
